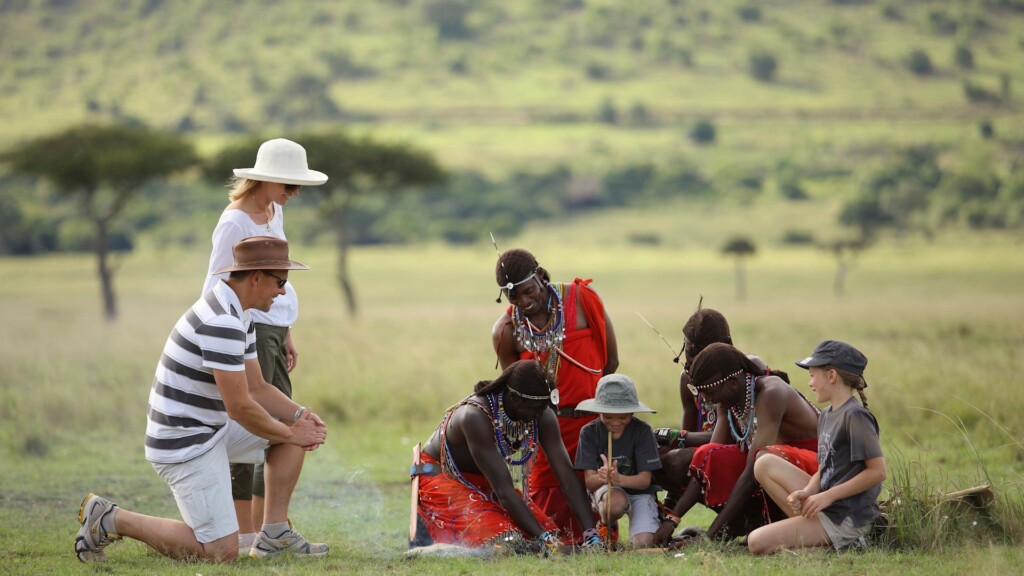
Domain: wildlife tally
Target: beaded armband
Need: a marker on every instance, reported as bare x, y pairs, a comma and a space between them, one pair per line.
680, 441
670, 438
667, 515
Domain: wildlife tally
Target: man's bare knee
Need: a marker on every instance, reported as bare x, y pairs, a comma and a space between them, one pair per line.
222, 549
676, 464
643, 540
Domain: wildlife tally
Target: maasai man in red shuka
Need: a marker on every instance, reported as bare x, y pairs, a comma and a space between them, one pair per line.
466, 493
757, 412
565, 328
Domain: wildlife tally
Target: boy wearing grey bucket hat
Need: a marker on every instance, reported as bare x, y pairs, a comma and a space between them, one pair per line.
634, 456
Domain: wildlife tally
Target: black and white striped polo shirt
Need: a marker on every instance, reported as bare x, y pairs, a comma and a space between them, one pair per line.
186, 412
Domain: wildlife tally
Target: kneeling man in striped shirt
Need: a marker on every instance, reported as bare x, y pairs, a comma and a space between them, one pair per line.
209, 406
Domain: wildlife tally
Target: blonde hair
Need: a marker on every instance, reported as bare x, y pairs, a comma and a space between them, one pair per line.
242, 187
853, 381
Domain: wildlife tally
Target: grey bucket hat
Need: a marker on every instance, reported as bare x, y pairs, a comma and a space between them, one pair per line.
616, 394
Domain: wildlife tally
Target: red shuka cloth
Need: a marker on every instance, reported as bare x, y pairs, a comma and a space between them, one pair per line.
455, 514
719, 466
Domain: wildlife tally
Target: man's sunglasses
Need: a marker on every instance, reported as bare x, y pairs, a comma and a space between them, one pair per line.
280, 281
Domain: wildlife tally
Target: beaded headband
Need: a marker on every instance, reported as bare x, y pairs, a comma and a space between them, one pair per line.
507, 288
697, 389
552, 397
529, 277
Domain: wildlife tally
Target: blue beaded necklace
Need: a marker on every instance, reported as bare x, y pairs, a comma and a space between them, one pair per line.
736, 417
513, 438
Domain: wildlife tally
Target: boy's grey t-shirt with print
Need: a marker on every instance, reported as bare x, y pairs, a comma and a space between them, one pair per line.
847, 436
635, 451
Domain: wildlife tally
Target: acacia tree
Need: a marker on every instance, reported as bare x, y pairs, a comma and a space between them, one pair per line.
844, 250
355, 167
741, 248
102, 168
895, 196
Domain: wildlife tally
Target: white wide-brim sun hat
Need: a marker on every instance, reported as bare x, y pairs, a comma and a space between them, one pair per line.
282, 161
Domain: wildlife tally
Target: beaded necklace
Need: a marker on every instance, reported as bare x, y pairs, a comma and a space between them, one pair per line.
516, 441
736, 417
547, 339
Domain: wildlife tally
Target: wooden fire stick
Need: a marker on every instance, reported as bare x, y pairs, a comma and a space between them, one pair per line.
608, 496
414, 504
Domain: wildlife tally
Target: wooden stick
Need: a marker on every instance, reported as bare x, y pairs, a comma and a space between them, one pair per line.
608, 496
415, 494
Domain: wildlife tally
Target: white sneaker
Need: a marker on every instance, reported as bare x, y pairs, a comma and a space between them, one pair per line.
92, 538
291, 542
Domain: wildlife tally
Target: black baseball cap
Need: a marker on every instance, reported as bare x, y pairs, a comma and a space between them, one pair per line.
838, 354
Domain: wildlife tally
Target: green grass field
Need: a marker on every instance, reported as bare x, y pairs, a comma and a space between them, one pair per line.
939, 322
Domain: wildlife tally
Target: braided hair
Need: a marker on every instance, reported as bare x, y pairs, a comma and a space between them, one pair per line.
720, 359
705, 326
853, 381
526, 376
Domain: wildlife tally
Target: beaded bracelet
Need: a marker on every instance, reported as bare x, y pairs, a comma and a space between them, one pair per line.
591, 537
549, 542
670, 517
680, 441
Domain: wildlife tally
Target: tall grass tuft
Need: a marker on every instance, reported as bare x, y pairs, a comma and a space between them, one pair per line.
925, 512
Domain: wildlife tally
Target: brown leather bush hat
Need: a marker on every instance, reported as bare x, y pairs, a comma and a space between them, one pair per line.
261, 253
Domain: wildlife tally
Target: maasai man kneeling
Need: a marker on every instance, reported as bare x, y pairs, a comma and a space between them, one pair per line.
467, 495
757, 412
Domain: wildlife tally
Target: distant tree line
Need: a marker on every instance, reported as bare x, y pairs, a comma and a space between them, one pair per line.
98, 187
93, 174
912, 192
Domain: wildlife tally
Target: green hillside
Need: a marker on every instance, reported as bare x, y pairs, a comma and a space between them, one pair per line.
496, 85
548, 108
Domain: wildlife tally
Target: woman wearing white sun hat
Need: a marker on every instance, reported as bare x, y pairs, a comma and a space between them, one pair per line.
258, 196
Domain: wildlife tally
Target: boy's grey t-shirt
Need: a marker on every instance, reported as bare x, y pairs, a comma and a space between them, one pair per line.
847, 436
635, 451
